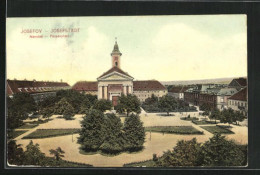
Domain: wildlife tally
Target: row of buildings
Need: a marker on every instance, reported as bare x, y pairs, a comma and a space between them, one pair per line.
233, 95
39, 90
115, 82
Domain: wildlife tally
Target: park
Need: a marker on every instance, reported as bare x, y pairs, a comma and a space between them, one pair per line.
57, 127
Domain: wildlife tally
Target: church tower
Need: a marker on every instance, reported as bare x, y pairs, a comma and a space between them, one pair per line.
116, 54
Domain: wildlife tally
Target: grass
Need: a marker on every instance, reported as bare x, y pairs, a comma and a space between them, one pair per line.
146, 163
14, 134
203, 122
45, 133
217, 129
27, 126
189, 118
174, 129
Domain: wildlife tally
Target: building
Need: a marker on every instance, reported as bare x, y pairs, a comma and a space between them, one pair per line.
238, 101
214, 95
238, 83
222, 97
178, 91
37, 89
86, 87
145, 89
115, 82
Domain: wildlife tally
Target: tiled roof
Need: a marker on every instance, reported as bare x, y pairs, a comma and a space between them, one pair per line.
115, 69
241, 81
178, 89
15, 86
148, 85
86, 86
240, 95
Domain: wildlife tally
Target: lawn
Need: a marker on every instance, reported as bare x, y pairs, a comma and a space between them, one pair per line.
14, 134
217, 129
203, 122
44, 133
146, 163
27, 126
174, 129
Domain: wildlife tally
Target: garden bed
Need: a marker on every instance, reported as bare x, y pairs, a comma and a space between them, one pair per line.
174, 129
189, 118
45, 133
203, 122
14, 134
217, 129
27, 126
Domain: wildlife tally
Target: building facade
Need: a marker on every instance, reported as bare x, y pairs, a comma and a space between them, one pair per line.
178, 92
115, 82
238, 101
39, 90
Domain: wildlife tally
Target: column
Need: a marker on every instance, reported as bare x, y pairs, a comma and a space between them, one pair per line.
99, 92
130, 89
124, 89
105, 92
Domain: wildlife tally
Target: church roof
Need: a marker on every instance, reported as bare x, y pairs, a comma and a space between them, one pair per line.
240, 95
148, 85
115, 69
86, 86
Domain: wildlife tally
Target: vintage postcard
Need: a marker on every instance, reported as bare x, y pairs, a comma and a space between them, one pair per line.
127, 91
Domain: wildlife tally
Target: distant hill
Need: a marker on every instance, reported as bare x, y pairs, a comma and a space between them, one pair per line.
204, 81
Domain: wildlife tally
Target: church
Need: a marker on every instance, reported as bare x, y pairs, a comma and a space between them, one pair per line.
115, 82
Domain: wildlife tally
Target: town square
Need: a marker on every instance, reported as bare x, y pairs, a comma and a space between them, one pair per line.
95, 102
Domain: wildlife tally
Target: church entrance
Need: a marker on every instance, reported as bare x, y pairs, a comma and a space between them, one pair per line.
114, 100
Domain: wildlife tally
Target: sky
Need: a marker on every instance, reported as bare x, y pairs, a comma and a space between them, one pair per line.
165, 48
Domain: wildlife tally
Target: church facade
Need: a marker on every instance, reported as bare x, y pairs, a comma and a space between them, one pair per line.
115, 82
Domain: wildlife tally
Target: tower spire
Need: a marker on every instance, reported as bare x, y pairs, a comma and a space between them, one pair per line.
116, 49
116, 54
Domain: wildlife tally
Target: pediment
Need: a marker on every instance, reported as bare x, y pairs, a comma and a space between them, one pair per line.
115, 76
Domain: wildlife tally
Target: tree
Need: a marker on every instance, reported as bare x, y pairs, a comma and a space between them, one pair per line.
220, 152
85, 106
215, 114
205, 107
185, 153
151, 100
167, 104
134, 133
64, 108
113, 141
18, 109
33, 155
15, 154
129, 103
92, 133
47, 112
102, 105
58, 153
227, 116
239, 117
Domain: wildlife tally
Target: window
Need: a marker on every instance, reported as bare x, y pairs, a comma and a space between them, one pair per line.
116, 64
